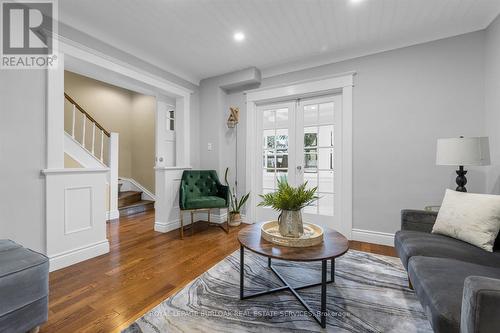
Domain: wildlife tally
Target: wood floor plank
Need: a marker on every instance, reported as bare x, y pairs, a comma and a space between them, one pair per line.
143, 267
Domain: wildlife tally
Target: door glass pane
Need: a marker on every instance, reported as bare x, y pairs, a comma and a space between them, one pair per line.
311, 178
310, 159
326, 115
310, 137
326, 136
310, 115
282, 139
325, 158
325, 181
282, 118
268, 139
268, 180
281, 160
280, 174
270, 160
268, 119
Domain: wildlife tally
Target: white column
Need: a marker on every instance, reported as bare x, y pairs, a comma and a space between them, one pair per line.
55, 115
167, 180
113, 177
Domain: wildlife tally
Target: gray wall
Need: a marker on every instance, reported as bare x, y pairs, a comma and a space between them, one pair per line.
22, 157
215, 102
403, 101
492, 101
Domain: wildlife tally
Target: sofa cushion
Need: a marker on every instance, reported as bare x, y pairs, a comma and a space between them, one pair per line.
439, 284
415, 243
24, 277
471, 217
205, 202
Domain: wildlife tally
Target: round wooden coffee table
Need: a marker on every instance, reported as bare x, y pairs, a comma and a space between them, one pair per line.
334, 245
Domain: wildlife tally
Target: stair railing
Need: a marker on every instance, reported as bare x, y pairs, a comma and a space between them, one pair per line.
95, 124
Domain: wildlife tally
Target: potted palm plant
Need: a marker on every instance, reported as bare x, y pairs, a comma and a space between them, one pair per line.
289, 201
235, 203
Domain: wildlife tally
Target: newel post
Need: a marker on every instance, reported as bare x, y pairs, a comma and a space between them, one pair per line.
113, 174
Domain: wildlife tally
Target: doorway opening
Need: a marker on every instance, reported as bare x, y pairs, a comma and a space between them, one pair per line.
98, 115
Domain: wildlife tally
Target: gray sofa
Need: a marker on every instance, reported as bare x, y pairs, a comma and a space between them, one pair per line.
458, 284
24, 288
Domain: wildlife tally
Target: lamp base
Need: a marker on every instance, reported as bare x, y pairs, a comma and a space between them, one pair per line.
461, 180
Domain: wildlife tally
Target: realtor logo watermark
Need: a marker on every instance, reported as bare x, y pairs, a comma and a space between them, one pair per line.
27, 36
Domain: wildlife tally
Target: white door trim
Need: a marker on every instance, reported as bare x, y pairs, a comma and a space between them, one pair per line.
336, 84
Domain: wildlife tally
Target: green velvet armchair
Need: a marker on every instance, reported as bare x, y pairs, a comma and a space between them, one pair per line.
201, 190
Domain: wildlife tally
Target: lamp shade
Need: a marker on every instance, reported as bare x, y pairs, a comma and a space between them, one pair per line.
463, 151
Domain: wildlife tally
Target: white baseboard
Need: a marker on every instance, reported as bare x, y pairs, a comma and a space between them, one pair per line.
375, 237
167, 226
77, 255
176, 224
112, 214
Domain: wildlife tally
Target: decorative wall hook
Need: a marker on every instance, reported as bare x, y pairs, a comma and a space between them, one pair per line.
234, 117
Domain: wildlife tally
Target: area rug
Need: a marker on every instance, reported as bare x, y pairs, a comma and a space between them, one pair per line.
370, 295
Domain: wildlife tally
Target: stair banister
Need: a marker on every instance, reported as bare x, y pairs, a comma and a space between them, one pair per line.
86, 116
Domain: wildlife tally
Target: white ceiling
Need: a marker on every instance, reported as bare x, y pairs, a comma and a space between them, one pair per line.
194, 38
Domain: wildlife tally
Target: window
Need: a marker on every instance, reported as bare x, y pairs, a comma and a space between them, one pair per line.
171, 120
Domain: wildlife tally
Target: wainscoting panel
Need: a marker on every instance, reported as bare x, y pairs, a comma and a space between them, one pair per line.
76, 215
77, 209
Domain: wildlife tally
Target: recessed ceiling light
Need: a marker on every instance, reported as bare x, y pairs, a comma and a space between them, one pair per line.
355, 2
239, 36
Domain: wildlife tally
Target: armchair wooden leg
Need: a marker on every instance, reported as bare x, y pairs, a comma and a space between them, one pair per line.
227, 221
192, 222
182, 223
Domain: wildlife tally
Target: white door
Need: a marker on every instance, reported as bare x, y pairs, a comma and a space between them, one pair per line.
165, 133
298, 141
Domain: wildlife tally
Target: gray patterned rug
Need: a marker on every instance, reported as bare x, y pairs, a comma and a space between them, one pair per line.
370, 295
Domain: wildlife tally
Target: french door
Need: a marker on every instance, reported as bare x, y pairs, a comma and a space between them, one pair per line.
298, 142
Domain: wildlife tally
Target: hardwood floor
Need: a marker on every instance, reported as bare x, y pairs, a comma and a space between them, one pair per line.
144, 267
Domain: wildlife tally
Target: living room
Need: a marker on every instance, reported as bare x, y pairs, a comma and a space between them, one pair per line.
319, 165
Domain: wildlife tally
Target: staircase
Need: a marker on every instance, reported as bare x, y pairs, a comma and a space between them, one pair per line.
92, 147
130, 202
89, 144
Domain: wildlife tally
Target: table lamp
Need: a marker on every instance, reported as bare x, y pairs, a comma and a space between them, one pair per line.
463, 152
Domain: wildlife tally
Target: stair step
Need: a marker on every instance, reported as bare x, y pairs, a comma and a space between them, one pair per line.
127, 198
137, 207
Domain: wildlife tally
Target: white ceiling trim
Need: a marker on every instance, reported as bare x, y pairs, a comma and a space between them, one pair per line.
108, 62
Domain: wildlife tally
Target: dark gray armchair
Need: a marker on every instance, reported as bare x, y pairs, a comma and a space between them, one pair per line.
24, 288
458, 284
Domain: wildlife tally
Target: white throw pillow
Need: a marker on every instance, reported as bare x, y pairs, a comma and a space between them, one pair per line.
469, 217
